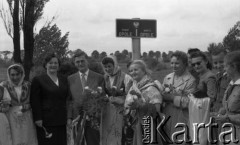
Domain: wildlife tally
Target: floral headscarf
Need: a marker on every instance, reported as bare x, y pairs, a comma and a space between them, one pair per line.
115, 65
8, 75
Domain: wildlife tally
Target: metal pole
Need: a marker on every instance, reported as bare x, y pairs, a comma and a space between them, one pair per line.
136, 43
136, 48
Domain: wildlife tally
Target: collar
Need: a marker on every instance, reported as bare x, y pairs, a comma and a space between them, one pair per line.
86, 73
236, 83
185, 76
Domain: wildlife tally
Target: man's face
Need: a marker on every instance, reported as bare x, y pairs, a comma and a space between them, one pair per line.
218, 62
81, 63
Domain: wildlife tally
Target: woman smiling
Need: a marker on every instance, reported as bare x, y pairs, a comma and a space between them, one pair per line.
180, 83
143, 97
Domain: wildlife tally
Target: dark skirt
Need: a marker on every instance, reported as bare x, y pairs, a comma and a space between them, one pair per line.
59, 136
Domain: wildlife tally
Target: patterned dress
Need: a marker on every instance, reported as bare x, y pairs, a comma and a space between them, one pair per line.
150, 95
20, 115
5, 132
112, 120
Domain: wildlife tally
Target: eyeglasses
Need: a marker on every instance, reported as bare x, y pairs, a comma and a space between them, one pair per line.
197, 63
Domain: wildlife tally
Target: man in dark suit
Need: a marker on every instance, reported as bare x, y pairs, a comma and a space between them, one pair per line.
77, 82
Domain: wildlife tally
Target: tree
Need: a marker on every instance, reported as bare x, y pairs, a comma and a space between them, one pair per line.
5, 54
11, 22
118, 55
232, 41
165, 57
150, 54
48, 40
102, 55
158, 55
24, 16
95, 55
213, 47
145, 55
125, 52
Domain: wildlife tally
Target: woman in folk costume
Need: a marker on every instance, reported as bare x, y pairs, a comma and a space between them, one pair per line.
117, 84
144, 97
177, 85
19, 114
229, 114
203, 98
5, 132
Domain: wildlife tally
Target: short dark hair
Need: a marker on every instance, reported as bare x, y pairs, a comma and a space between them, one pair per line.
49, 57
233, 59
79, 53
192, 50
181, 56
203, 56
107, 60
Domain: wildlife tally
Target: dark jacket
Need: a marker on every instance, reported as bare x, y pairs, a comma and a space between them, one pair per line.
49, 101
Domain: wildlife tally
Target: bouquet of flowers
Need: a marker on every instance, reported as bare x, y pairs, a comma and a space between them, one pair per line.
168, 89
93, 102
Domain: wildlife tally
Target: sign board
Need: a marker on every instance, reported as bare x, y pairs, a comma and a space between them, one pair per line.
141, 28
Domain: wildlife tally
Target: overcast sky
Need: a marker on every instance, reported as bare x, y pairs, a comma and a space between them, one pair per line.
181, 24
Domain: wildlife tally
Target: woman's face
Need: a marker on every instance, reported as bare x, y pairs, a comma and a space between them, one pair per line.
136, 72
199, 64
15, 76
53, 65
177, 65
109, 68
229, 69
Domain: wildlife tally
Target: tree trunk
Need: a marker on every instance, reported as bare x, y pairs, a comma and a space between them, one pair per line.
28, 37
16, 33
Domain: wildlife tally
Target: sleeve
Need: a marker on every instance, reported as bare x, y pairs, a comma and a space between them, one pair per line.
211, 88
183, 101
235, 119
69, 103
35, 99
127, 82
235, 107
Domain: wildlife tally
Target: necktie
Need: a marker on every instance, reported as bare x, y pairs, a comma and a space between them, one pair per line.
83, 81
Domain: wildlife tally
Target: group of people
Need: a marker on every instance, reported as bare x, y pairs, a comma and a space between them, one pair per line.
42, 112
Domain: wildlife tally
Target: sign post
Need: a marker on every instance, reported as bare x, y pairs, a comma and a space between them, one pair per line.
136, 29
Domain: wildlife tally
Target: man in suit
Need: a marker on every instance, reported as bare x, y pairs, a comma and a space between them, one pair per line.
77, 82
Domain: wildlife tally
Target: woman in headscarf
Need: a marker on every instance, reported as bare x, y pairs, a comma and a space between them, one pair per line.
144, 97
19, 114
5, 133
117, 84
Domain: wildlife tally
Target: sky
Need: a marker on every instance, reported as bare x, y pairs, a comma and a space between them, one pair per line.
181, 24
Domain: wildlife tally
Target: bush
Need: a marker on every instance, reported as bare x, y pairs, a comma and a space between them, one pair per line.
162, 66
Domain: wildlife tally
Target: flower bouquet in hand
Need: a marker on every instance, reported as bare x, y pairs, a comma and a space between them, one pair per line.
137, 99
168, 92
93, 102
168, 88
